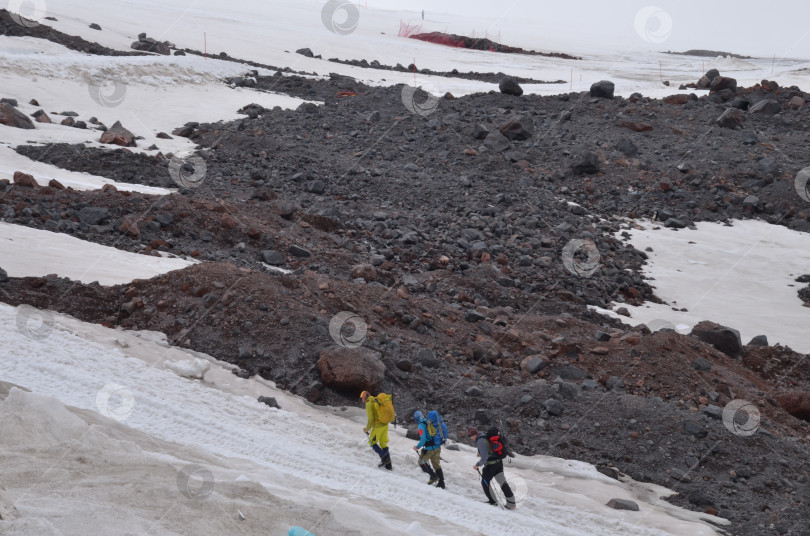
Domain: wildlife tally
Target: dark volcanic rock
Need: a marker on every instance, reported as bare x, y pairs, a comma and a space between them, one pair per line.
731, 118
93, 215
622, 504
269, 400
725, 339
586, 164
766, 107
723, 82
509, 86
495, 141
273, 257
516, 129
603, 89
706, 80
759, 340
553, 406
150, 45
627, 147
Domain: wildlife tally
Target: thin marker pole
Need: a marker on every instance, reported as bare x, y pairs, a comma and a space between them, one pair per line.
205, 44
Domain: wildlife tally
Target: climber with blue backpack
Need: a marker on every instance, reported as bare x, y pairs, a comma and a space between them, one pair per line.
432, 435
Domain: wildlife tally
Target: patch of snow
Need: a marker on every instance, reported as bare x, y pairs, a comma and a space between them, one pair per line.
741, 276
68, 256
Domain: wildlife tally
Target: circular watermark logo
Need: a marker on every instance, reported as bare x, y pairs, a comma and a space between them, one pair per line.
653, 24
802, 184
508, 493
188, 170
340, 16
581, 257
27, 13
33, 323
195, 482
420, 100
342, 335
109, 92
115, 401
741, 417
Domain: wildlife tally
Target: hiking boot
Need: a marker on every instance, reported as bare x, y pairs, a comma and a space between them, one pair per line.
389, 466
432, 480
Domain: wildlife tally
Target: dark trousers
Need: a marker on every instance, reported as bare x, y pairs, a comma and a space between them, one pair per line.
492, 475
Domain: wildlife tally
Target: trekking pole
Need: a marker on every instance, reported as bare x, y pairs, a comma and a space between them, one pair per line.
421, 459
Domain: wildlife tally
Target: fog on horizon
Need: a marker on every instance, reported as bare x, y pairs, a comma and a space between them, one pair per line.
779, 27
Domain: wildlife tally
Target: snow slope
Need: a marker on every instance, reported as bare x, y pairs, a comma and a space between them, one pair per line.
314, 458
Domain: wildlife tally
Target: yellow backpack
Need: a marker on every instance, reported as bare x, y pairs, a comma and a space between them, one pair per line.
385, 409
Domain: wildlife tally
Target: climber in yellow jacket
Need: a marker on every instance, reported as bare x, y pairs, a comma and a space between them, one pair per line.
377, 431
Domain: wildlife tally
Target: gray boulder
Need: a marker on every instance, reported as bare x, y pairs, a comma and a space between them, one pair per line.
725, 339
603, 89
622, 504
509, 86
765, 107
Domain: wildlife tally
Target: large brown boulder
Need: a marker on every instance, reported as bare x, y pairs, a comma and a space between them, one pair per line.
723, 82
118, 135
797, 404
351, 368
679, 99
725, 339
24, 179
12, 117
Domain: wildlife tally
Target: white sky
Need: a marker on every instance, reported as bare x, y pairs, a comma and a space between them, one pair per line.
744, 26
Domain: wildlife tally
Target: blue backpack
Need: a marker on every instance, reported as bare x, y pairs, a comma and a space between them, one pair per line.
436, 428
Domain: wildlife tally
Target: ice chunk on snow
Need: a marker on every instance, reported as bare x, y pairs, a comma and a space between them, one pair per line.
190, 368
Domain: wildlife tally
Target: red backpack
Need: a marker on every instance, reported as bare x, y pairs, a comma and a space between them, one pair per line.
497, 443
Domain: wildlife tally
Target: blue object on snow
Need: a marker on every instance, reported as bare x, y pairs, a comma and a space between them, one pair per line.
298, 531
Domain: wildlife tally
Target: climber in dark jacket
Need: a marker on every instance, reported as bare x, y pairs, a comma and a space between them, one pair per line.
493, 468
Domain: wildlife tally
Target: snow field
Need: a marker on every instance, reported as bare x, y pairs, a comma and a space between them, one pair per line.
313, 457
